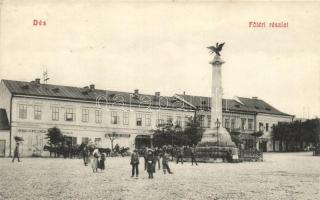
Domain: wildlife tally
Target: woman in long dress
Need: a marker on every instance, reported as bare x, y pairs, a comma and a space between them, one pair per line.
95, 160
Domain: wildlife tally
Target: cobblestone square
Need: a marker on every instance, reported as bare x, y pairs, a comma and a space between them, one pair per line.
280, 176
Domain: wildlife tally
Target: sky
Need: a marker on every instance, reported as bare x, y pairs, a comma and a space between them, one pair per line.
153, 46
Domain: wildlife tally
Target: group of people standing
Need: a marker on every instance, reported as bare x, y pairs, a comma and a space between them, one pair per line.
151, 159
98, 159
180, 154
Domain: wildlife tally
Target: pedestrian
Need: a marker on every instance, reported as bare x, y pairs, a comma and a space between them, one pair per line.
165, 165
157, 157
135, 163
193, 155
145, 155
16, 153
180, 155
95, 160
102, 162
150, 164
85, 155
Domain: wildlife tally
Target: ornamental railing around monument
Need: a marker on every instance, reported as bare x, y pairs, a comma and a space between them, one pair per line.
250, 155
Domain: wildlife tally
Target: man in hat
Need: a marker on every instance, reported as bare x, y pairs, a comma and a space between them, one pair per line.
135, 163
157, 157
16, 153
150, 163
180, 155
165, 165
193, 155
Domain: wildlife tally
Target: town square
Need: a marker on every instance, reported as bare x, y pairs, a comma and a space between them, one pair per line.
149, 100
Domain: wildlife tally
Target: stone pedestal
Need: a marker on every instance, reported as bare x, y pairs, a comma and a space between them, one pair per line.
218, 138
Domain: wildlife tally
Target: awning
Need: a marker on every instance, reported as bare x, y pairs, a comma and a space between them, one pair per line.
4, 123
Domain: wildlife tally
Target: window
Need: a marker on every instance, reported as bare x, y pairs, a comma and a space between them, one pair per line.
69, 115
243, 124
233, 123
227, 123
160, 122
85, 140
250, 124
148, 120
114, 117
37, 112
23, 111
126, 118
55, 113
74, 141
70, 140
260, 126
267, 127
97, 141
179, 121
85, 115
139, 119
98, 114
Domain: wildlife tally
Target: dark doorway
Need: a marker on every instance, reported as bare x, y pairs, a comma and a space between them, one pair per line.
142, 141
263, 146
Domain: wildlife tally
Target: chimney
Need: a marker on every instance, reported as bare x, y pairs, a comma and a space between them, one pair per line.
37, 80
92, 87
136, 91
157, 94
254, 97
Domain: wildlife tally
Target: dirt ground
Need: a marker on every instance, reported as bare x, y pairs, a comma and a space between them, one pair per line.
280, 176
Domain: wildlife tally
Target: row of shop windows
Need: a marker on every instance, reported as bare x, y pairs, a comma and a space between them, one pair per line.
246, 124
117, 117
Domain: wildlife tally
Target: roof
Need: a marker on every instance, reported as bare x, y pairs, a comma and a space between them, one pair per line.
4, 123
260, 106
241, 104
87, 94
204, 103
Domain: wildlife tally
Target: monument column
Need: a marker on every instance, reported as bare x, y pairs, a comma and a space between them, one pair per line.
216, 136
216, 91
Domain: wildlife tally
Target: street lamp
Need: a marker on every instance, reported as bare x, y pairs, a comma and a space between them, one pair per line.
218, 123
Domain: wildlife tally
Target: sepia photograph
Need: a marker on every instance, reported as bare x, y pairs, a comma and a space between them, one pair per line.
140, 100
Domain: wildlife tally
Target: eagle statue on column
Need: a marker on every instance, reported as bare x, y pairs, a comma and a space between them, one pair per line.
216, 49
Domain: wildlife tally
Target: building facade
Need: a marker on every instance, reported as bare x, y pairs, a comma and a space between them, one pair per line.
99, 116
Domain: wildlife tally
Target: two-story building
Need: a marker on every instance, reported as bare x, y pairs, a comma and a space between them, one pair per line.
244, 115
87, 114
84, 114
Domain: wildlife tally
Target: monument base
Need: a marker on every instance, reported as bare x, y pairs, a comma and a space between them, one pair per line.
216, 147
217, 138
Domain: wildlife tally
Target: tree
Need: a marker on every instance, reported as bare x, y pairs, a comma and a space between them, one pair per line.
194, 130
173, 134
297, 133
54, 136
